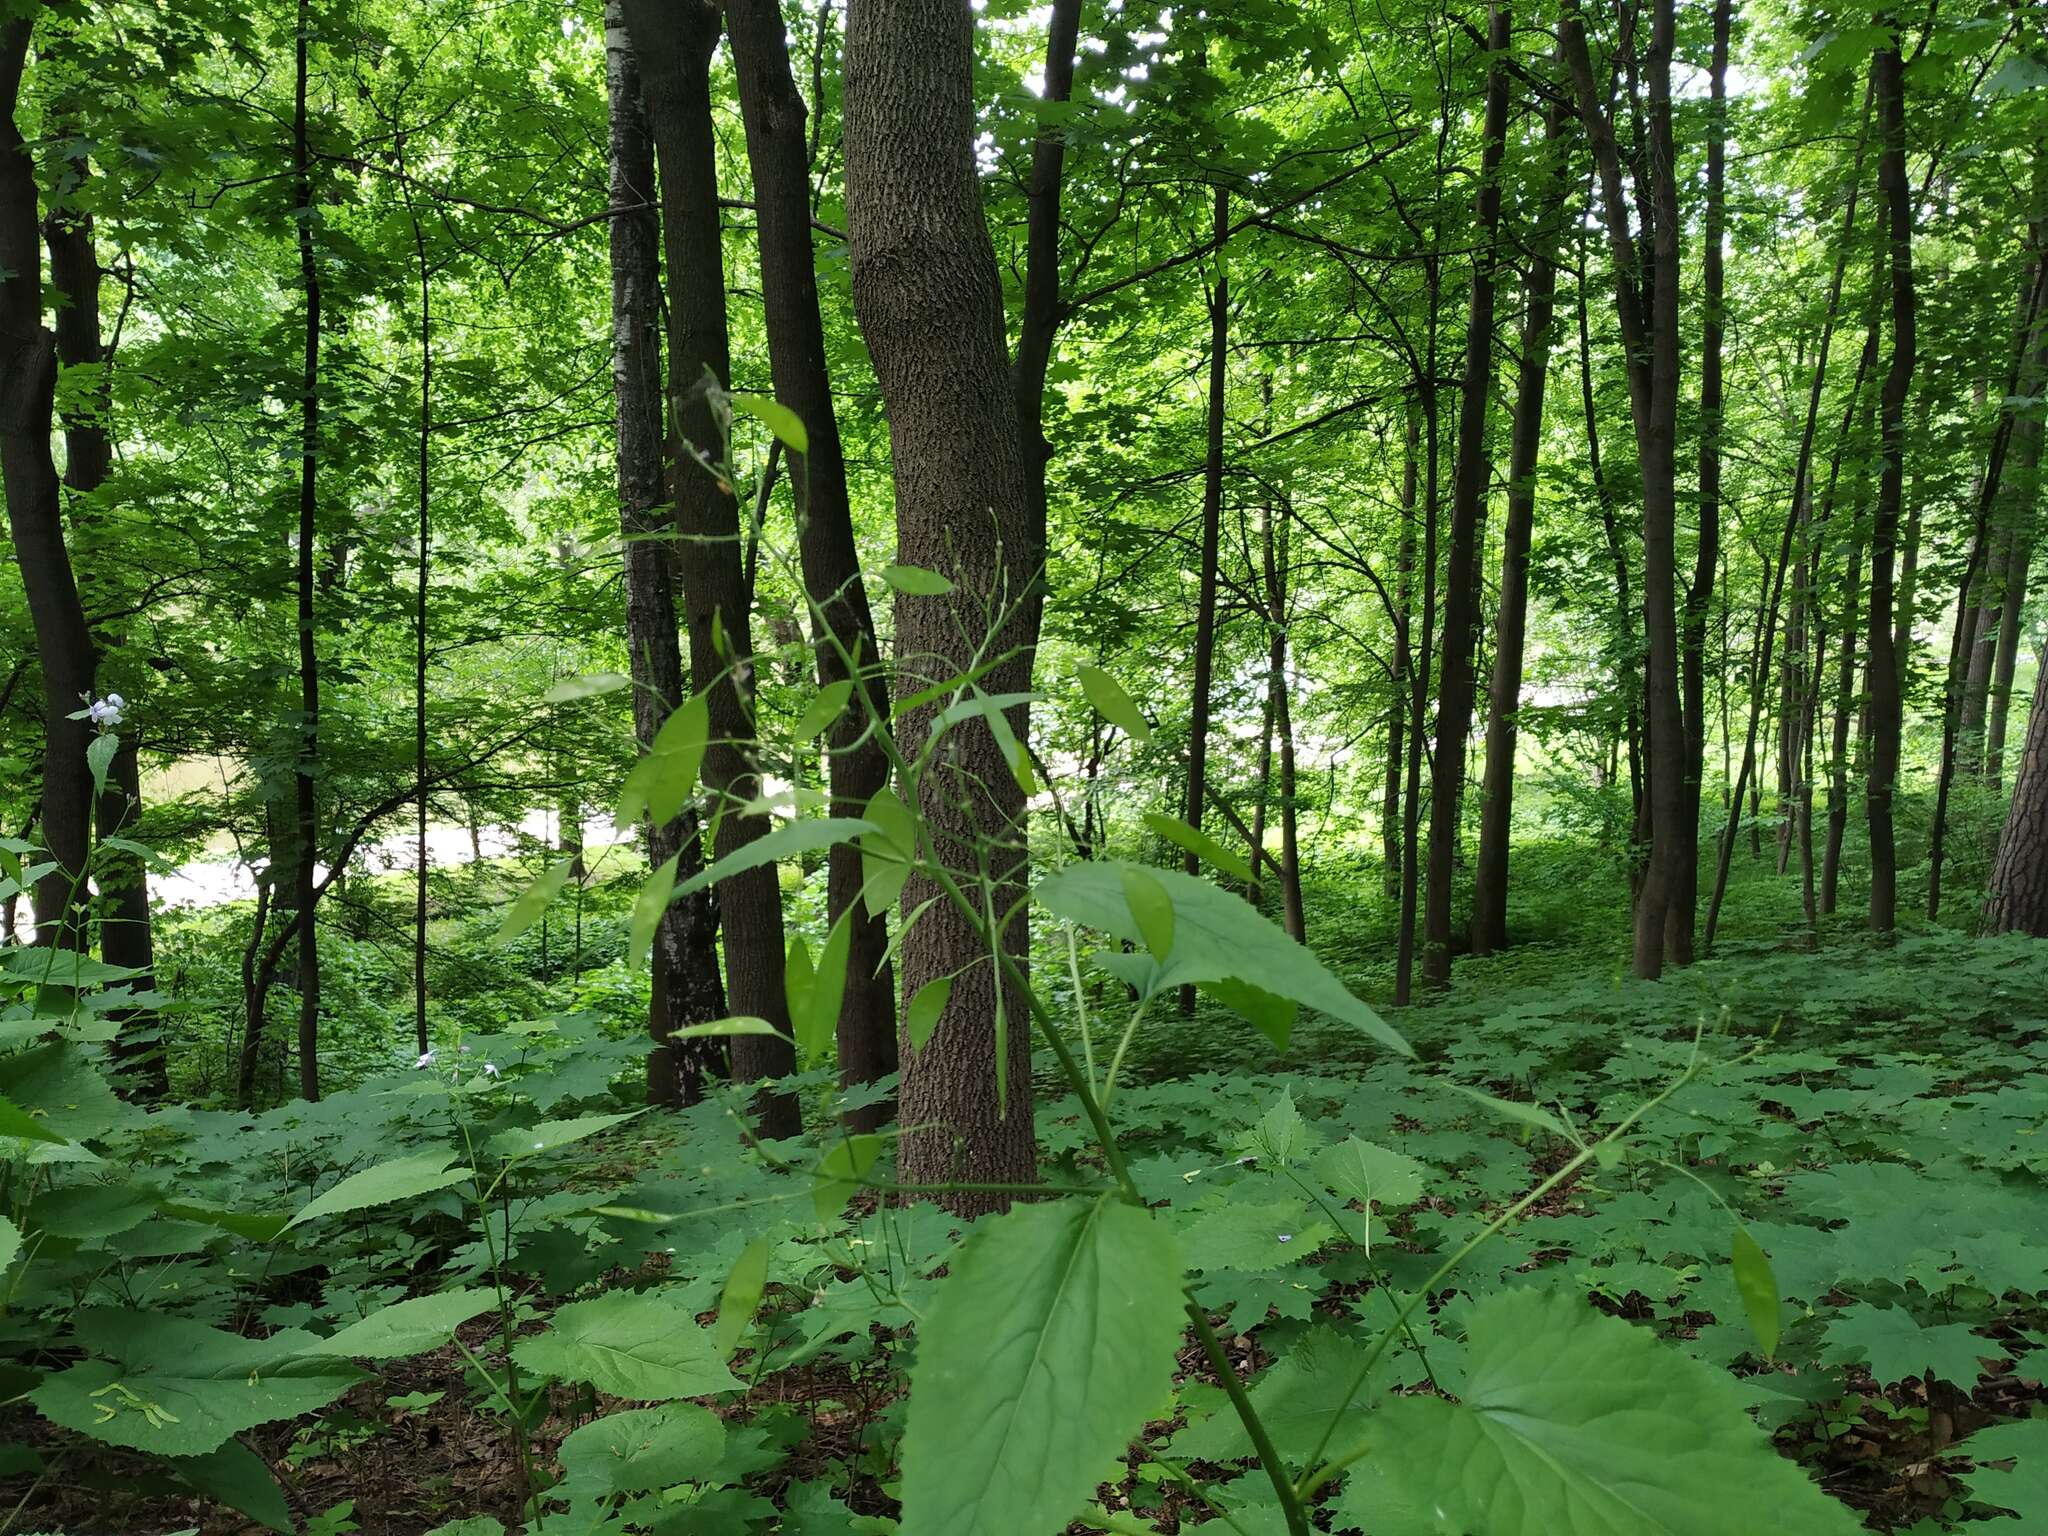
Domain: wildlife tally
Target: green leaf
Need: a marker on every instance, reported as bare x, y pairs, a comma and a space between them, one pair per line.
1894, 1346
837, 1177
1204, 847
532, 1140
176, 1387
1368, 1173
1294, 1400
1113, 704
922, 1016
886, 853
570, 689
10, 1243
2024, 1489
1281, 1137
916, 581
648, 908
1759, 1289
258, 1226
1573, 1423
777, 418
535, 899
1045, 1351
678, 753
99, 757
403, 1178
236, 1476
1152, 910
18, 1123
826, 706
1271, 1016
742, 1024
632, 1344
409, 1327
1217, 936
741, 1297
785, 841
814, 1016
639, 1451
1511, 1109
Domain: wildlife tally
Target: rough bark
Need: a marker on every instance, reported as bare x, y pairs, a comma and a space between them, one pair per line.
1504, 701
674, 43
2019, 875
777, 152
687, 988
1469, 478
929, 302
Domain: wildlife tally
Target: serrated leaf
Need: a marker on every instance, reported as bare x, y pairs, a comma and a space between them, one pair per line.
741, 1295
1045, 1351
1758, 1287
1204, 847
1573, 1423
1280, 1137
402, 1178
632, 1344
1369, 1173
640, 1450
1217, 937
916, 581
18, 1123
922, 1016
826, 706
236, 1476
10, 1244
535, 899
1295, 1400
2024, 1488
1106, 694
1895, 1346
777, 418
409, 1327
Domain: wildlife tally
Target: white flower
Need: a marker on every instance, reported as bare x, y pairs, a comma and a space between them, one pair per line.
426, 1060
106, 713
490, 1069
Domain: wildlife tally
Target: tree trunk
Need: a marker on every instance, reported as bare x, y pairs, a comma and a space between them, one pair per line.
1469, 478
1273, 557
2024, 488
686, 984
2019, 876
1212, 532
1504, 701
305, 768
929, 301
674, 44
1399, 684
1699, 593
858, 767
1888, 89
35, 520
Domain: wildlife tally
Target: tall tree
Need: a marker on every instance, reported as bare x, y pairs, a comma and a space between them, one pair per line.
306, 761
687, 988
774, 116
674, 43
929, 301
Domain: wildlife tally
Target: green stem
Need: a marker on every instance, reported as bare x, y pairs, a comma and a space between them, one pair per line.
1262, 1442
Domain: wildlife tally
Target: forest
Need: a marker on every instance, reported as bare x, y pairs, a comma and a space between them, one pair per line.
1006, 767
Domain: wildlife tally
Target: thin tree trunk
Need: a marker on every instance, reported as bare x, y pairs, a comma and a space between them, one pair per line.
28, 380
1504, 701
1888, 87
1418, 690
2025, 492
1398, 682
307, 759
929, 301
1273, 545
858, 767
1212, 527
686, 984
674, 44
1468, 501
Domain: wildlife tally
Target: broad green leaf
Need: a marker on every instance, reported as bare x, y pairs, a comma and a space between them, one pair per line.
409, 1327
777, 418
532, 1140
837, 1177
799, 975
2023, 1489
1513, 1109
814, 1017
648, 908
236, 1476
742, 1024
17, 1123
1204, 847
258, 1226
1217, 937
1294, 1400
922, 1016
176, 1387
1047, 1348
1113, 704
1151, 909
1369, 1173
1759, 1289
915, 581
632, 1344
1271, 1016
886, 852
535, 899
640, 1450
470, 1525
569, 689
1573, 1423
99, 757
10, 1243
826, 706
1895, 1346
785, 841
678, 752
1280, 1137
741, 1296
403, 1178
1253, 1239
